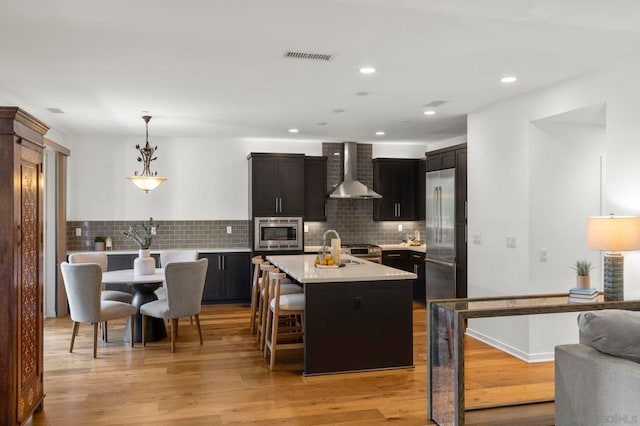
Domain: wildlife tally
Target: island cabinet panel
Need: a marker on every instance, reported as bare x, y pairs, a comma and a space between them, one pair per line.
363, 325
395, 180
276, 184
228, 278
21, 269
315, 192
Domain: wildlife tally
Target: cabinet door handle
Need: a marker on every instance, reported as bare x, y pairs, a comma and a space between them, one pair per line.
393, 255
220, 263
399, 210
415, 269
280, 205
276, 204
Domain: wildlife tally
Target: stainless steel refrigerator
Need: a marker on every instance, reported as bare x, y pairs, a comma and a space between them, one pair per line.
440, 258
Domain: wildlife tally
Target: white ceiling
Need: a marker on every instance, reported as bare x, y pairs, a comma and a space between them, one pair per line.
215, 69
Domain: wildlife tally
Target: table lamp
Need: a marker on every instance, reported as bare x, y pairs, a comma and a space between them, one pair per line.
613, 234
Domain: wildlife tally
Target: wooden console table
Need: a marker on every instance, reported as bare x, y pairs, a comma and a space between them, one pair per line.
445, 347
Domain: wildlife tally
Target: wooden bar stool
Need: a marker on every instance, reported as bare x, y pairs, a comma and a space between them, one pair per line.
285, 319
256, 287
286, 287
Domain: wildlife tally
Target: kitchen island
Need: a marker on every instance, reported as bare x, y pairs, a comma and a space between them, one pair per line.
357, 317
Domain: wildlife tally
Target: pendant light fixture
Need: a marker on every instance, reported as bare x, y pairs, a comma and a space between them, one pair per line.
146, 180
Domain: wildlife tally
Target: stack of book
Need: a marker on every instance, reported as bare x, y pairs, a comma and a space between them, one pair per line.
582, 295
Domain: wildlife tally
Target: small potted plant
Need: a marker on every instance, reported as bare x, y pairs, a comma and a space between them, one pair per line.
582, 268
98, 243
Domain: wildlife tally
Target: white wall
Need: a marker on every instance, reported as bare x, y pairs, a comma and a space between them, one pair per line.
207, 179
509, 158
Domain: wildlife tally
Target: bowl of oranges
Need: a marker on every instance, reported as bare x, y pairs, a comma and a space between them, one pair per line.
323, 260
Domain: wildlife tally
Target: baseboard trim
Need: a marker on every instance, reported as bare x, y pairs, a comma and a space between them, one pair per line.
524, 356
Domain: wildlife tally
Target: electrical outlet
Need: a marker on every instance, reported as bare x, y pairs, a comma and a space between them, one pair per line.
511, 241
228, 229
400, 228
543, 255
153, 230
477, 238
78, 232
306, 228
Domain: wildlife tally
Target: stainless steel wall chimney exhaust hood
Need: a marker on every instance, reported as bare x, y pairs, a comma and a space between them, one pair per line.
350, 187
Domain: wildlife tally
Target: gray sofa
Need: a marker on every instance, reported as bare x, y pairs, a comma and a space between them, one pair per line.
597, 381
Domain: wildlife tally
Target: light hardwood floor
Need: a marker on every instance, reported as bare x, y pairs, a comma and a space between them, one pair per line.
227, 381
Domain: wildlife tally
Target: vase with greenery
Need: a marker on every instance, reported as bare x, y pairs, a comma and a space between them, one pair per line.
142, 235
583, 268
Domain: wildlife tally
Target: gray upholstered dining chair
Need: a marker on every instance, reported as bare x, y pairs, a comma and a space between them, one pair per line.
103, 260
184, 282
168, 256
83, 283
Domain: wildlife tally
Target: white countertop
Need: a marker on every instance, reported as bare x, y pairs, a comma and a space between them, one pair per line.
302, 268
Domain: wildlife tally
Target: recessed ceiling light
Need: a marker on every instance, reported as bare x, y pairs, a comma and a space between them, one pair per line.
380, 133
362, 93
322, 123
367, 70
293, 130
338, 110
429, 112
508, 79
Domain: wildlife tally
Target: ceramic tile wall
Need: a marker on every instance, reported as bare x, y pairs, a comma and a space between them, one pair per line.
171, 234
353, 219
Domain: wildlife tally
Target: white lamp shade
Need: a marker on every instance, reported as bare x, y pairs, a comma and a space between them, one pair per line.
613, 233
147, 183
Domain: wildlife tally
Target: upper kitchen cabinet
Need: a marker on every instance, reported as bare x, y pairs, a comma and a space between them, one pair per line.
440, 160
276, 184
395, 180
315, 192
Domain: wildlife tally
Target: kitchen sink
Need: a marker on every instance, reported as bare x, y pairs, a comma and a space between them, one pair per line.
352, 262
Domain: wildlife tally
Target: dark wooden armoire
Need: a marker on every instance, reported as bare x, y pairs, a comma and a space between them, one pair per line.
21, 256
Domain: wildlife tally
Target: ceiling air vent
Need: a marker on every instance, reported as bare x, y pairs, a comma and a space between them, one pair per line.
434, 104
55, 110
307, 55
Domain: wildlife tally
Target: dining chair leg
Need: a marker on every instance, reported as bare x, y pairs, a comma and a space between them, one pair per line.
104, 330
74, 333
174, 326
190, 320
198, 325
177, 321
133, 325
95, 339
144, 330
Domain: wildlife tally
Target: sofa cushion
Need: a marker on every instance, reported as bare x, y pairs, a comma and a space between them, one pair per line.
612, 331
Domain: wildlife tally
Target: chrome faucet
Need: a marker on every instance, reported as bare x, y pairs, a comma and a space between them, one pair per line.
329, 233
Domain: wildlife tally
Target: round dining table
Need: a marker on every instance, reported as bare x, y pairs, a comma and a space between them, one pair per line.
143, 287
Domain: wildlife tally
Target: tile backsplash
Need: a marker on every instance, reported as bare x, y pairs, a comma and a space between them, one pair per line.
171, 234
353, 219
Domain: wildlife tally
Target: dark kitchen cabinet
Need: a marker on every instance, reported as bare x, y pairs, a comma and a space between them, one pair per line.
461, 185
421, 188
410, 261
228, 278
395, 180
441, 160
276, 184
315, 189
416, 264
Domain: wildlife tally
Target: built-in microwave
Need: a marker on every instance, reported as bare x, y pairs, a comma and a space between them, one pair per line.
278, 233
